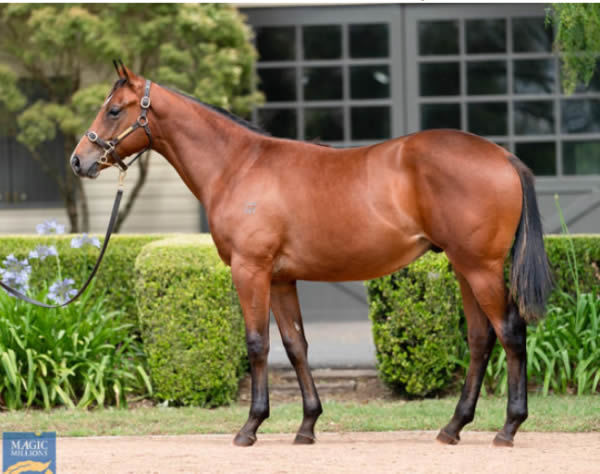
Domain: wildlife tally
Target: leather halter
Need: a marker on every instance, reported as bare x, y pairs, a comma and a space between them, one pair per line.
110, 145
109, 149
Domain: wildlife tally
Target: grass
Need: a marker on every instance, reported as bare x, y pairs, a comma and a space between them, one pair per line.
552, 413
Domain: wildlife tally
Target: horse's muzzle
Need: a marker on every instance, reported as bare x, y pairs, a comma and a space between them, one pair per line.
92, 172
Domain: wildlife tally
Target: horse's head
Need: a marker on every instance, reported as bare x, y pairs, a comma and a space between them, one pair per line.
118, 129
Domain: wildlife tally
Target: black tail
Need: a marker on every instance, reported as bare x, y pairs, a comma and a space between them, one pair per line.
530, 279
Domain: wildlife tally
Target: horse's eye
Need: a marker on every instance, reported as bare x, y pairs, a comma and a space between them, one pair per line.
114, 111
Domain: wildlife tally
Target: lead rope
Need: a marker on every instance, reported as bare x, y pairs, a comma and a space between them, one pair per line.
109, 231
109, 149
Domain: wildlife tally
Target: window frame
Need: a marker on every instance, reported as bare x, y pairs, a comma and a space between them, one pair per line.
298, 17
415, 14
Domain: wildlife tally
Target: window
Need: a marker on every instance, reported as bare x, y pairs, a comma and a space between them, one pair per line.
326, 82
498, 77
23, 181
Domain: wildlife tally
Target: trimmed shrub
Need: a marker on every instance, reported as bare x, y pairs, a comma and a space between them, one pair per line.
115, 278
191, 322
418, 321
416, 317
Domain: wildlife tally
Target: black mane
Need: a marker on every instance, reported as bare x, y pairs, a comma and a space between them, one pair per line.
226, 113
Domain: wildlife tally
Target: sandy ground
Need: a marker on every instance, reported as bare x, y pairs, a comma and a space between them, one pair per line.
405, 452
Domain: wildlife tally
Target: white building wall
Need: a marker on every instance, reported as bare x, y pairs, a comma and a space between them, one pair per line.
165, 204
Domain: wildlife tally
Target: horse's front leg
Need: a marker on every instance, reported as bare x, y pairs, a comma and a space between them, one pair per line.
252, 282
284, 302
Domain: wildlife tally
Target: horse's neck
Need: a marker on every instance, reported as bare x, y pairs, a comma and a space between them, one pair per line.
203, 146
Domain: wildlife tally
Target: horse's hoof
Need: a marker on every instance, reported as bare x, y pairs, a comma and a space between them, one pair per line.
445, 438
503, 442
244, 439
304, 439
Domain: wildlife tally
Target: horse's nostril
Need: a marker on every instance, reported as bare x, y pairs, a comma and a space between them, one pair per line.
75, 163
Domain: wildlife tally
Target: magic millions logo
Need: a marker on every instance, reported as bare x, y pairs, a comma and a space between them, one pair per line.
25, 453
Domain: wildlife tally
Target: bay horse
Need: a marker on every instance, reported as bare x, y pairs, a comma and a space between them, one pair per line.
282, 210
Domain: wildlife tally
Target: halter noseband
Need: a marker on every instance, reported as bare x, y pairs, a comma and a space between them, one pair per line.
110, 145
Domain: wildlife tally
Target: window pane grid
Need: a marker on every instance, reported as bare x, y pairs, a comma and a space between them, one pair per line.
318, 103
534, 100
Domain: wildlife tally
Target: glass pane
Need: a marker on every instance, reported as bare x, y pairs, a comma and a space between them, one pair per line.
534, 117
488, 118
439, 79
581, 157
533, 76
279, 122
276, 43
369, 82
486, 36
325, 124
540, 157
322, 83
580, 116
438, 37
322, 42
440, 116
278, 83
486, 77
369, 41
370, 123
531, 35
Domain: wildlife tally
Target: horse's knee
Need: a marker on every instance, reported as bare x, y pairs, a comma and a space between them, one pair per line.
296, 348
258, 346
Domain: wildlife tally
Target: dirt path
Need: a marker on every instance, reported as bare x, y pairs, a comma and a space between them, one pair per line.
407, 451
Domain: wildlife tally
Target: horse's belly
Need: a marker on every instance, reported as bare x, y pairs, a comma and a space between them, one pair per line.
363, 259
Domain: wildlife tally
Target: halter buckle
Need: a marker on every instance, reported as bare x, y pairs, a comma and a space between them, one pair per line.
142, 121
145, 102
92, 136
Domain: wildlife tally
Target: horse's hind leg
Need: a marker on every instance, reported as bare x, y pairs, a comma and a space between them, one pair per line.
489, 288
284, 302
253, 284
481, 337
512, 333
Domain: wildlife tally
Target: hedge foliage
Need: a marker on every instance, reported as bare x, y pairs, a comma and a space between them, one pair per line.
191, 322
418, 318
116, 276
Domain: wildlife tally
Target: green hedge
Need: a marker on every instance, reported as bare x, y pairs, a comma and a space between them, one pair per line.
116, 275
191, 322
418, 318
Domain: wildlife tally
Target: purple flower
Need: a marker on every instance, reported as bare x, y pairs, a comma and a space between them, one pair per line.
62, 291
16, 273
83, 240
50, 227
43, 251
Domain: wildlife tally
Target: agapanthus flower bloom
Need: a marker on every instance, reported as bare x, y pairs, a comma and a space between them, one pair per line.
16, 273
83, 240
43, 251
62, 291
50, 227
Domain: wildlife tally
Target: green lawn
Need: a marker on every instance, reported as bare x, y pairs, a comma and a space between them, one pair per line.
552, 413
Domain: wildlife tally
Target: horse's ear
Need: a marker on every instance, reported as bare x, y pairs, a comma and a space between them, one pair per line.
127, 73
116, 65
124, 70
